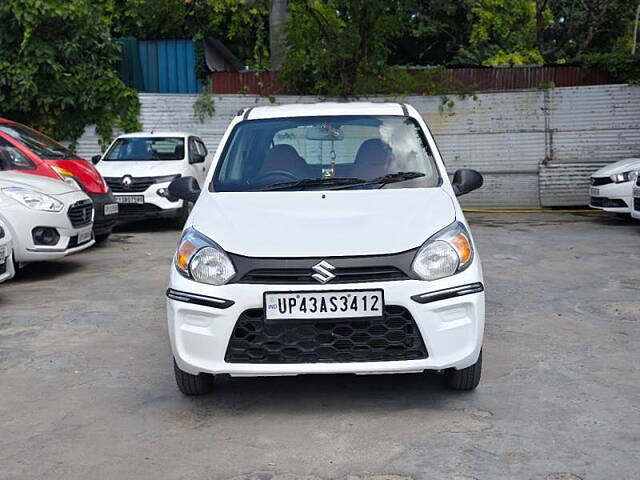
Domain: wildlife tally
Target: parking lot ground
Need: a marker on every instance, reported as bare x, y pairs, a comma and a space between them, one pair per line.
87, 388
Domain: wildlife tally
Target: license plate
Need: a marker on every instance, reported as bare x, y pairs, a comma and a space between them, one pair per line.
321, 305
3, 254
130, 199
84, 235
111, 209
636, 192
595, 192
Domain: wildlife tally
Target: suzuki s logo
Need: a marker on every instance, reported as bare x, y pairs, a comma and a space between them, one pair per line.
323, 272
127, 181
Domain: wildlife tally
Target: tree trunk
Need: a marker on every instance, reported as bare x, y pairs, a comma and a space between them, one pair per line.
277, 19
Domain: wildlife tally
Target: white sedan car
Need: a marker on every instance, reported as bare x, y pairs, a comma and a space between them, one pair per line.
47, 219
6, 249
611, 186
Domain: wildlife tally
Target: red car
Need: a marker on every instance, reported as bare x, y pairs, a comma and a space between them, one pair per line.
35, 153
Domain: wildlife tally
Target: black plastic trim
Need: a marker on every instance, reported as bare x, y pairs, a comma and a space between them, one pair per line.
246, 114
198, 299
405, 110
401, 260
448, 293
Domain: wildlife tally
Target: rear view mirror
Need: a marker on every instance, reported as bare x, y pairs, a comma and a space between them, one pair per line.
324, 132
186, 188
196, 158
95, 159
466, 180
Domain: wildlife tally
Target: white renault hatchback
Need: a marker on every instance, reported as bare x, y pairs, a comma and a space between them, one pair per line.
326, 238
138, 168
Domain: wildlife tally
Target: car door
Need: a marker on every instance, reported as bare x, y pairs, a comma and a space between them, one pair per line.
197, 157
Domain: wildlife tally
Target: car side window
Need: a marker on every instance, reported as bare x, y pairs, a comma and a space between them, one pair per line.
13, 157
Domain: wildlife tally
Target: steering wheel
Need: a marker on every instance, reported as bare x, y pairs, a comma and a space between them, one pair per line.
273, 173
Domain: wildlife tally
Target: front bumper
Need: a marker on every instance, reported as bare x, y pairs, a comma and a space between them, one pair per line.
613, 197
154, 206
6, 263
635, 211
103, 224
452, 329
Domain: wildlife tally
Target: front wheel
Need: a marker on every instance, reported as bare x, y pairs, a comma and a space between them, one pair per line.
465, 379
192, 384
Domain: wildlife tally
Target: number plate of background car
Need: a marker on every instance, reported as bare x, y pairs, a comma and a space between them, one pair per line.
3, 254
111, 209
322, 305
130, 199
595, 192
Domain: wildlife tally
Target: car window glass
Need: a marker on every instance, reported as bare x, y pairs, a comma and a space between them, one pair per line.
268, 152
146, 149
14, 157
38, 143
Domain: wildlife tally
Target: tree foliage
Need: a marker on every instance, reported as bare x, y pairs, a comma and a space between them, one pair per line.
331, 44
57, 68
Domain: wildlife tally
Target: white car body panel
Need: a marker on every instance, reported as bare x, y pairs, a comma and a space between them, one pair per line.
155, 168
615, 191
20, 220
324, 223
6, 254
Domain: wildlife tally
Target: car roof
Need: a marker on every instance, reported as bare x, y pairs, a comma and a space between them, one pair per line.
156, 134
326, 109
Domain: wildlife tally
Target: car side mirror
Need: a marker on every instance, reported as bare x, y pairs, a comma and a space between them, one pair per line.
95, 159
186, 188
466, 180
196, 158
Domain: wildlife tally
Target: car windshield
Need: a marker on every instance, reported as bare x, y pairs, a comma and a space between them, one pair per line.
337, 152
40, 144
146, 149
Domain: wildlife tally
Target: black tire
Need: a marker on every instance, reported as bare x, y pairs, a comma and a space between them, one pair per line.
193, 384
467, 378
102, 237
181, 219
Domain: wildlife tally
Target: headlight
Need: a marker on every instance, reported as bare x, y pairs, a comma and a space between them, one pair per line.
447, 252
201, 259
33, 199
68, 177
624, 177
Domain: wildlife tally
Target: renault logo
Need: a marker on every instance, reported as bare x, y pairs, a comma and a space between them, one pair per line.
323, 272
127, 181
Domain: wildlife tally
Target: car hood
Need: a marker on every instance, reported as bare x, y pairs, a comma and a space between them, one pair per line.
34, 182
151, 168
621, 166
322, 223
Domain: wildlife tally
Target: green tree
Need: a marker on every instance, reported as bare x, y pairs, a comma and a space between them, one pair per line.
150, 19
333, 44
57, 68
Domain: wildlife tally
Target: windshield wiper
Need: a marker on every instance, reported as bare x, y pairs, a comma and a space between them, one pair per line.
314, 182
385, 179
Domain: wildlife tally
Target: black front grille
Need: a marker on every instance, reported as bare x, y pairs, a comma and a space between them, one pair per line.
81, 213
597, 181
395, 336
3, 266
137, 184
608, 202
292, 276
137, 209
636, 203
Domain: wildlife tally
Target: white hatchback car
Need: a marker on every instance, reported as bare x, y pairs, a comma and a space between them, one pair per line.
6, 253
138, 168
611, 186
635, 205
47, 218
327, 238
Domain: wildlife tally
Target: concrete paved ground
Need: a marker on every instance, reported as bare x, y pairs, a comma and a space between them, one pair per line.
87, 390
